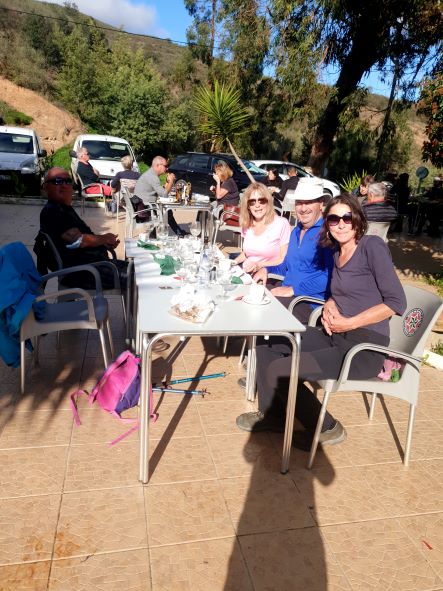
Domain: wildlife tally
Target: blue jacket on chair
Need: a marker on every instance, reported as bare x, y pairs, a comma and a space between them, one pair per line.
20, 283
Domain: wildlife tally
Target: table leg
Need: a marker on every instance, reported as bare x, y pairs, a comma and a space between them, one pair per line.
251, 370
292, 397
144, 408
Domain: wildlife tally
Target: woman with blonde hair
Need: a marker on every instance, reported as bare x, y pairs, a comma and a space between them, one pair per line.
266, 235
225, 189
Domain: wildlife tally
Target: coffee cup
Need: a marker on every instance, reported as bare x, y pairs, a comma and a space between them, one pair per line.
256, 293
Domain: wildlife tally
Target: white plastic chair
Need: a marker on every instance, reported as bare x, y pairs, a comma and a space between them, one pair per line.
85, 312
82, 195
131, 223
51, 252
220, 224
408, 338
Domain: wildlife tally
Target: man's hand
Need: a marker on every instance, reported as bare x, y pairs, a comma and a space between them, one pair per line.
110, 240
261, 276
283, 291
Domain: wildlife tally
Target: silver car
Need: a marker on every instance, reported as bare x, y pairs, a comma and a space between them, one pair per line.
282, 168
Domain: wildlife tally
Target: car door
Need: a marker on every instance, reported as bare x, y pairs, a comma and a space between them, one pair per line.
200, 173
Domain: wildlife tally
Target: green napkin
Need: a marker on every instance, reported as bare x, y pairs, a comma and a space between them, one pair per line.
166, 263
147, 246
236, 279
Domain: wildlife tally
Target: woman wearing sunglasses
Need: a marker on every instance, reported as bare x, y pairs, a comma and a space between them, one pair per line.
365, 293
266, 235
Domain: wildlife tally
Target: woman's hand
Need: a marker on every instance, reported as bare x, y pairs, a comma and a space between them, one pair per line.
216, 178
249, 266
261, 276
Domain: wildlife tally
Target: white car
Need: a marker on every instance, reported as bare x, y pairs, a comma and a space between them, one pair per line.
282, 167
21, 159
105, 152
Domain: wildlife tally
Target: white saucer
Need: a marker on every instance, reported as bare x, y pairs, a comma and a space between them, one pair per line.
264, 301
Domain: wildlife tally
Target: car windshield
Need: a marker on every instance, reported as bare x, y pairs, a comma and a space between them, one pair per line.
103, 150
252, 167
16, 143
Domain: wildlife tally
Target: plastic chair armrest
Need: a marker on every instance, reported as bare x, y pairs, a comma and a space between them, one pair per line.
310, 299
344, 372
67, 271
74, 290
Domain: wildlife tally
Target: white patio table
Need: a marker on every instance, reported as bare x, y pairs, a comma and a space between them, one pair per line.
231, 318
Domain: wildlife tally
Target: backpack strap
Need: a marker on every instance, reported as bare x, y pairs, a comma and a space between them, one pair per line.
152, 415
73, 404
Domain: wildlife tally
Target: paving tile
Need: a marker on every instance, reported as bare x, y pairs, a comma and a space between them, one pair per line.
27, 528
241, 454
222, 389
379, 555
102, 572
427, 439
434, 467
211, 565
186, 512
426, 533
99, 426
37, 429
251, 502
430, 379
219, 417
181, 420
32, 576
295, 560
429, 404
32, 471
197, 365
94, 522
92, 467
179, 460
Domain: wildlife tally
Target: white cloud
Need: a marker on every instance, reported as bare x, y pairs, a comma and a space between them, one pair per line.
132, 16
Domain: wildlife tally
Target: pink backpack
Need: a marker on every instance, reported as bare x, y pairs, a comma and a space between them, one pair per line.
117, 390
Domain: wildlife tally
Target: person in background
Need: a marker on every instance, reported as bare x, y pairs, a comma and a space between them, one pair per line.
129, 176
90, 175
289, 184
266, 235
273, 181
376, 208
307, 265
365, 293
225, 189
361, 192
148, 188
75, 241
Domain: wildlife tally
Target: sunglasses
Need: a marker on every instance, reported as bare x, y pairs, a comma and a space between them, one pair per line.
334, 220
261, 200
58, 180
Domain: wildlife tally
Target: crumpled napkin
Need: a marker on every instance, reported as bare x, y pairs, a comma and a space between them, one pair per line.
166, 263
194, 306
147, 245
239, 276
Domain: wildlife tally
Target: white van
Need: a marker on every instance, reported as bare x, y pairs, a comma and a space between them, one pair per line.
105, 152
21, 160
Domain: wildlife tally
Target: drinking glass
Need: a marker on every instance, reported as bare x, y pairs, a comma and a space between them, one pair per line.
196, 229
149, 226
162, 233
224, 281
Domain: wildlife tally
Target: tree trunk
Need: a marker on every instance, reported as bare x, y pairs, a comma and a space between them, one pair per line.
360, 59
240, 162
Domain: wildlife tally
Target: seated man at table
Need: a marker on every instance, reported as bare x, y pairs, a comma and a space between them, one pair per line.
74, 240
289, 184
307, 267
375, 207
90, 175
148, 188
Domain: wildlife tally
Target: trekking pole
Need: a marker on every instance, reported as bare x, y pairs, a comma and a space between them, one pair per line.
178, 391
206, 377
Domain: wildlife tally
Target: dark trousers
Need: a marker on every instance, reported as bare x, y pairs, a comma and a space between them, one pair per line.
321, 358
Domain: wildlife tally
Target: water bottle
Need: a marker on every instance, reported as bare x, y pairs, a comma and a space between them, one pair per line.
204, 269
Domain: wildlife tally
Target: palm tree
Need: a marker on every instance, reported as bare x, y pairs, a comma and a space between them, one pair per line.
222, 116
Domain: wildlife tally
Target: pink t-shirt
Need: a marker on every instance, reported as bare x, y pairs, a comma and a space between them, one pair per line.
267, 246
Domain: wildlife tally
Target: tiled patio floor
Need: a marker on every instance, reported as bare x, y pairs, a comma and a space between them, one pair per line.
217, 514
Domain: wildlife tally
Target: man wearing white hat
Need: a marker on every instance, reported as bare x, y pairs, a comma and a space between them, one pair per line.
307, 266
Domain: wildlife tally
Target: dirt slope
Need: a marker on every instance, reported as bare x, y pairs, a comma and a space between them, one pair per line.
54, 126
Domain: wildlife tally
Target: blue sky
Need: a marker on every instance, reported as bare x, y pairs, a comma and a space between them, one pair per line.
167, 19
